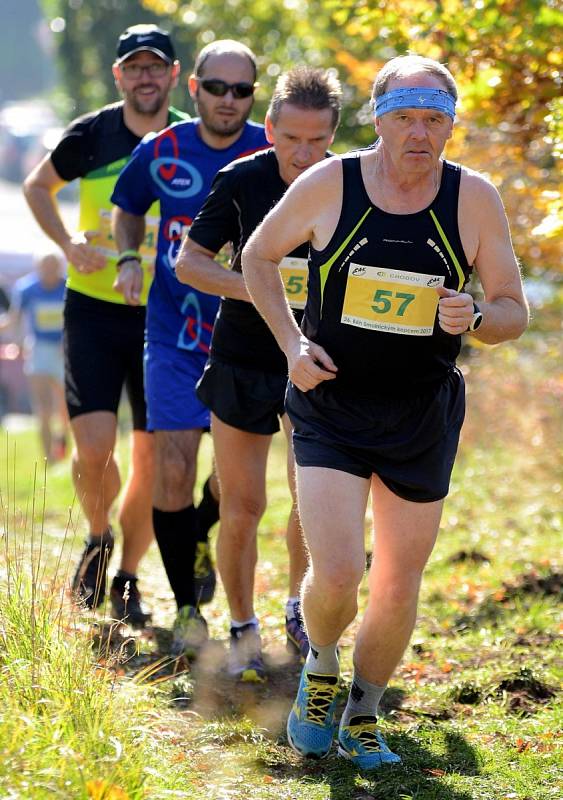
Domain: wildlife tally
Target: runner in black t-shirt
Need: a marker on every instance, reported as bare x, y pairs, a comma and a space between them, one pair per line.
245, 378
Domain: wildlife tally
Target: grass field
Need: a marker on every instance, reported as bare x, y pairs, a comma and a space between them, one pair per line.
91, 710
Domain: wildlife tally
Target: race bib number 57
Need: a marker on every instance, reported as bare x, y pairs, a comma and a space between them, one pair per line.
391, 300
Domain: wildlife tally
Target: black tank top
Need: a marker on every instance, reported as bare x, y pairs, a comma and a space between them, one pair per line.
372, 302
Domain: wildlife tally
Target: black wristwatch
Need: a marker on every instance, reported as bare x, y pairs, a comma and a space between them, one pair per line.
477, 318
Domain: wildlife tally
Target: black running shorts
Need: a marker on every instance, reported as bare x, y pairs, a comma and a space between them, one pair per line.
103, 347
410, 442
247, 399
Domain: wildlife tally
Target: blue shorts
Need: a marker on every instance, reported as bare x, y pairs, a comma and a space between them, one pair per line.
170, 379
45, 358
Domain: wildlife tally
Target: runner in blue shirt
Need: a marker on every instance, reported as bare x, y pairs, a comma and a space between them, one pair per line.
37, 314
176, 167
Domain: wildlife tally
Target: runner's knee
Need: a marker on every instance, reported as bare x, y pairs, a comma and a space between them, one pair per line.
338, 578
242, 510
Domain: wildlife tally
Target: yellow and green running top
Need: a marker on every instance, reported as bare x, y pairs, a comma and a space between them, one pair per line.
95, 148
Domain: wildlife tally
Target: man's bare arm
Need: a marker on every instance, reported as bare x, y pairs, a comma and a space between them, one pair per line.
289, 224
505, 310
40, 189
197, 267
128, 232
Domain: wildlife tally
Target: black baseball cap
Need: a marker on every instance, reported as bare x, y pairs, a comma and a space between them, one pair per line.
145, 37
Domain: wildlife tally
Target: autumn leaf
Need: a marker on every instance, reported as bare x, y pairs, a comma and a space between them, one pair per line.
102, 790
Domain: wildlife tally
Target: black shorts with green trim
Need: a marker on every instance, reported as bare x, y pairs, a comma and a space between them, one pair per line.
248, 399
409, 442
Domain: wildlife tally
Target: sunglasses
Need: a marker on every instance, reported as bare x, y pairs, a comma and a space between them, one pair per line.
219, 88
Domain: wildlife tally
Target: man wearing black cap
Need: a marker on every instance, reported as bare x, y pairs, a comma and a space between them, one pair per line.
103, 336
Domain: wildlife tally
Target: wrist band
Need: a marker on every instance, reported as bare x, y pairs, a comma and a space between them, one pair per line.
128, 255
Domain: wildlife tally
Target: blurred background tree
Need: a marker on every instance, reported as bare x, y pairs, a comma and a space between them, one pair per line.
506, 56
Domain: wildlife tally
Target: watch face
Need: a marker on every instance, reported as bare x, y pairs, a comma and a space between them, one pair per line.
476, 321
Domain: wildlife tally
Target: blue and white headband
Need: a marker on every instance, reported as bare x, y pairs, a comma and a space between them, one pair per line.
415, 97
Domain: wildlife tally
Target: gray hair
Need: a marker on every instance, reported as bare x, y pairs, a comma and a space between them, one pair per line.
403, 66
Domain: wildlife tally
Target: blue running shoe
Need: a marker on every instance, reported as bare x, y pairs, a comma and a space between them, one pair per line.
361, 743
310, 725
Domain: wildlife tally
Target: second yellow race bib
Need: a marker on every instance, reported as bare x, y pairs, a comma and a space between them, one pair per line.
105, 243
391, 300
294, 272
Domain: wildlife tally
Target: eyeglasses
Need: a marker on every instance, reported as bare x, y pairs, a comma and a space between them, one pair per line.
157, 69
219, 88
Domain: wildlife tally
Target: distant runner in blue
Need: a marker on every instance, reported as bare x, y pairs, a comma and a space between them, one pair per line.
36, 314
176, 167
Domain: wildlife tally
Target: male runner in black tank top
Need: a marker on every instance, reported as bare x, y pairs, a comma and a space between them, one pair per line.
246, 376
375, 397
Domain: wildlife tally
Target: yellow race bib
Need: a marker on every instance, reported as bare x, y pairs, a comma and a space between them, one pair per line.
391, 300
49, 317
294, 272
106, 245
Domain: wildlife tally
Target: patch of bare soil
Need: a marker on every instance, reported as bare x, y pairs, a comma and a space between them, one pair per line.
468, 556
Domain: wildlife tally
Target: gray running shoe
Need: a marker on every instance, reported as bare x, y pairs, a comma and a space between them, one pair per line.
245, 655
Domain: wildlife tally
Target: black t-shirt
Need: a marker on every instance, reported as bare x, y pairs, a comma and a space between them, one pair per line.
240, 197
93, 141
97, 140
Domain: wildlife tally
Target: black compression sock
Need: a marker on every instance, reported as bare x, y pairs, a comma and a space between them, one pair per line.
207, 512
176, 536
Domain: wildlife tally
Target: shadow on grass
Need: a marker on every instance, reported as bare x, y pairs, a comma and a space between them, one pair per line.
203, 688
422, 775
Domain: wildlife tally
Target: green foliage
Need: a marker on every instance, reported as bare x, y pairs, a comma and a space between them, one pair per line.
505, 54
86, 47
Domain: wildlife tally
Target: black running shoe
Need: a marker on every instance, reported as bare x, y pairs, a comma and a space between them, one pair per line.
89, 582
126, 603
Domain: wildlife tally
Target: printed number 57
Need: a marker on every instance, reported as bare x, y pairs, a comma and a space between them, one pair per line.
382, 301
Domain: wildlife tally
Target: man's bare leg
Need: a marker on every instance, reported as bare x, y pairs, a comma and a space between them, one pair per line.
296, 547
94, 469
404, 538
332, 506
241, 459
97, 483
135, 513
43, 409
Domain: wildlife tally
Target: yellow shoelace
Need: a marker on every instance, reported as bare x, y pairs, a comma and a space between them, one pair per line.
320, 697
365, 733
